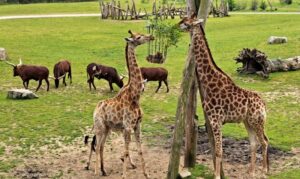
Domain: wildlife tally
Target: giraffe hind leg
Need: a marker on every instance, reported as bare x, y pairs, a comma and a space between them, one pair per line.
258, 127
101, 152
253, 147
137, 133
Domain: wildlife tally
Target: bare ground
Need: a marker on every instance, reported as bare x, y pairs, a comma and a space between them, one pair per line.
69, 161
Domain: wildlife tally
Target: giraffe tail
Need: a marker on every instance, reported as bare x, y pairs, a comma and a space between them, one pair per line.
268, 151
86, 140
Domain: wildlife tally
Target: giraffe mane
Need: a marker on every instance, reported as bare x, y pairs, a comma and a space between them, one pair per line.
210, 55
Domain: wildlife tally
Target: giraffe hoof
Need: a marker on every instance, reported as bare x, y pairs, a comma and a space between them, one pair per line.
133, 166
104, 173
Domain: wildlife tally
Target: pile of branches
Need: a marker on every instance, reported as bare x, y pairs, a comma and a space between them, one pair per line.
256, 62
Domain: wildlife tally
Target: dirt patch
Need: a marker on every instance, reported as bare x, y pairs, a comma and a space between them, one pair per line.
70, 161
236, 157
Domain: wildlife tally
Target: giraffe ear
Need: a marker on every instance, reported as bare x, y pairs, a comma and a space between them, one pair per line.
128, 39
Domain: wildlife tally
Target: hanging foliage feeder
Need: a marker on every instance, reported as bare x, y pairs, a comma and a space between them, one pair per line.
166, 35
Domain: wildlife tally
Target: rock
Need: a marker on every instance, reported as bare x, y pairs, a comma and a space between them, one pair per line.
3, 55
184, 173
277, 40
21, 94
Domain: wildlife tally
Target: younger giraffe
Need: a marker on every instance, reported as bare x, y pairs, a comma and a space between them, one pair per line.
223, 101
123, 112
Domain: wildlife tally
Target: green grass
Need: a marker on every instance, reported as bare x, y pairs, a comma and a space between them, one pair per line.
56, 8
93, 7
294, 7
49, 8
65, 113
201, 171
291, 174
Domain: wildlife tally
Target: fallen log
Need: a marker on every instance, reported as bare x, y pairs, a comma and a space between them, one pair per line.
256, 62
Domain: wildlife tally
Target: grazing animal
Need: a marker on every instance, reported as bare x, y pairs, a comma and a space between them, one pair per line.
31, 72
104, 72
156, 74
60, 70
223, 101
123, 112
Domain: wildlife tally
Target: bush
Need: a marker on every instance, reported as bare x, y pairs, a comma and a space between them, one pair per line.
231, 5
286, 1
254, 5
263, 5
242, 5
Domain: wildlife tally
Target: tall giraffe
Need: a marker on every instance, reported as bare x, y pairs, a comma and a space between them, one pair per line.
123, 112
223, 101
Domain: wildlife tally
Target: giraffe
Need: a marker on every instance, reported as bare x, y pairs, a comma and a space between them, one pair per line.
122, 112
224, 102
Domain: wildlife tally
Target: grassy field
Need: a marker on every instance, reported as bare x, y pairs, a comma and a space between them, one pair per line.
64, 114
93, 7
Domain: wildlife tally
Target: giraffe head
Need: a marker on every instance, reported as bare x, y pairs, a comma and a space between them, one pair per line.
187, 23
138, 39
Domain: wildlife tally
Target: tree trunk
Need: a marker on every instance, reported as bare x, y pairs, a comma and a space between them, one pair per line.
182, 110
191, 128
186, 84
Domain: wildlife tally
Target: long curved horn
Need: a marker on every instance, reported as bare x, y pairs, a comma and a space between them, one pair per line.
61, 77
123, 76
99, 72
20, 62
51, 77
9, 63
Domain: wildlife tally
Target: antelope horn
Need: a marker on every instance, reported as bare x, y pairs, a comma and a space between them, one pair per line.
99, 72
20, 62
123, 76
61, 77
51, 77
9, 63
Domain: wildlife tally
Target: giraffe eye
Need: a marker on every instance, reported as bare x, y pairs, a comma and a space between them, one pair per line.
138, 37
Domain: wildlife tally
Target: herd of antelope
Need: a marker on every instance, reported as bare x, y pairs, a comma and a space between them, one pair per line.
63, 68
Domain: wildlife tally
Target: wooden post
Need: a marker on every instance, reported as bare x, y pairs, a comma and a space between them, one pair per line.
186, 83
191, 128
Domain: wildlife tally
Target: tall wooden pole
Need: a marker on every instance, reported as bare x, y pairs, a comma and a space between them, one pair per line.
185, 99
191, 126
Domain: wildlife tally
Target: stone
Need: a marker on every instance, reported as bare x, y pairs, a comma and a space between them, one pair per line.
3, 55
184, 173
277, 40
21, 94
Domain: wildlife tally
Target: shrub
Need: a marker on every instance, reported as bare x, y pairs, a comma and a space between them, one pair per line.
253, 5
231, 5
241, 5
263, 5
286, 1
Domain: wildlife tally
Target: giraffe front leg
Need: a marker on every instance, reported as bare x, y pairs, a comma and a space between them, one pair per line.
127, 139
137, 133
217, 135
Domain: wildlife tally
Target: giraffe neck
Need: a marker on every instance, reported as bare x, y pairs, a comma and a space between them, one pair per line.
135, 82
207, 70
